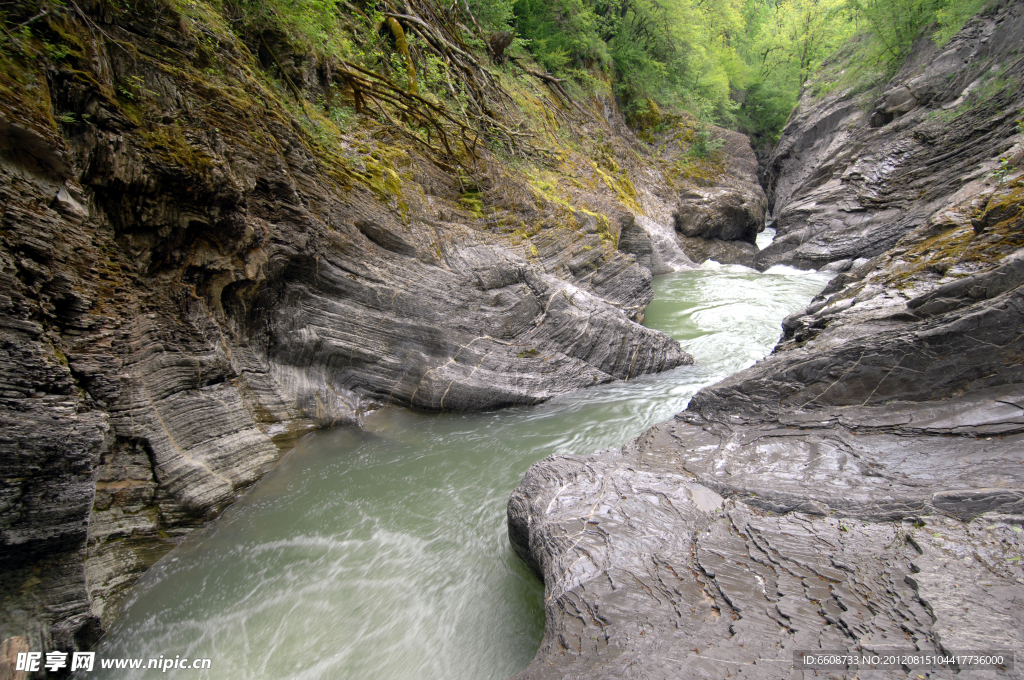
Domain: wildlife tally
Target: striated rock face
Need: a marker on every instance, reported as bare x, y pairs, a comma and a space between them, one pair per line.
863, 486
494, 332
853, 173
655, 245
649, 572
860, 489
188, 282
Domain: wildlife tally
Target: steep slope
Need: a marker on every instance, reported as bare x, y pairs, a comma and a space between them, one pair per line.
855, 171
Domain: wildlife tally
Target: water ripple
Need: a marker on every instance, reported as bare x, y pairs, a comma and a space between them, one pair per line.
382, 553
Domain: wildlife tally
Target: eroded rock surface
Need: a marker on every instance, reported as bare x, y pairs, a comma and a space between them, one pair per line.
854, 172
862, 488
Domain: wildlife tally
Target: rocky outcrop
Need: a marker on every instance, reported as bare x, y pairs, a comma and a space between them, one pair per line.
193, 275
651, 572
862, 488
640, 243
856, 171
722, 208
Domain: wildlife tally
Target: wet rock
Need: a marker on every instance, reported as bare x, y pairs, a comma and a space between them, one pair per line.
720, 213
654, 244
723, 252
651, 572
795, 505
982, 286
719, 216
637, 241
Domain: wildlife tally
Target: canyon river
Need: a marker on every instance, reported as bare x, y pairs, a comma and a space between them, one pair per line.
382, 552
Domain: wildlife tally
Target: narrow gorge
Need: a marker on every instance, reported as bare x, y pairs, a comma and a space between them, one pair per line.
219, 246
860, 488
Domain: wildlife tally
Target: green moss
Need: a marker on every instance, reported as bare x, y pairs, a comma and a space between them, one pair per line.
699, 171
383, 178
546, 188
385, 181
604, 228
646, 120
171, 145
958, 245
473, 202
61, 358
623, 187
23, 86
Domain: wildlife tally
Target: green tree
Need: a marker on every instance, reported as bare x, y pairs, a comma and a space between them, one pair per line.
786, 42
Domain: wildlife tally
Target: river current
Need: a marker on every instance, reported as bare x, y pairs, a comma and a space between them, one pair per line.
382, 553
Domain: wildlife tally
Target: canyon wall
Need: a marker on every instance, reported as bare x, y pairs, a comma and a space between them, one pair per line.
198, 265
862, 488
854, 171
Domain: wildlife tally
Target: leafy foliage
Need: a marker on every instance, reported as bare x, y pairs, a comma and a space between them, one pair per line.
786, 43
740, 63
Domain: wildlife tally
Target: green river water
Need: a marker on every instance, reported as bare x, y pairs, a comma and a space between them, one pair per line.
382, 553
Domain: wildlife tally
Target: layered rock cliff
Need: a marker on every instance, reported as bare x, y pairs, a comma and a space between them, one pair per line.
201, 259
854, 170
862, 488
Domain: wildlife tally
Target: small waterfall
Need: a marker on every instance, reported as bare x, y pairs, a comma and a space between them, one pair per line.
765, 238
668, 256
